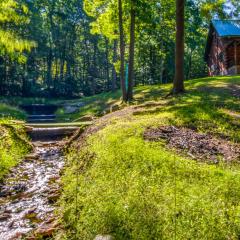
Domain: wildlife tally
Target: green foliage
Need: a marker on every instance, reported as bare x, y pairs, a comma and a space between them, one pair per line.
74, 47
7, 111
13, 146
13, 14
133, 189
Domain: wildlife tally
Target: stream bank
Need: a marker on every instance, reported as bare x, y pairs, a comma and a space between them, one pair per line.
29, 193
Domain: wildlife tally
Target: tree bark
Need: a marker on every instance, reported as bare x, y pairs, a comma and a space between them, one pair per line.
114, 73
189, 70
122, 50
131, 53
108, 85
178, 85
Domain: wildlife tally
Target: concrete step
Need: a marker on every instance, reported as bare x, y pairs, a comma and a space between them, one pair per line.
51, 134
41, 120
58, 125
32, 117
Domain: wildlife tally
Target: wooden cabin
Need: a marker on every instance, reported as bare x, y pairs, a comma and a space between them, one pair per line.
222, 52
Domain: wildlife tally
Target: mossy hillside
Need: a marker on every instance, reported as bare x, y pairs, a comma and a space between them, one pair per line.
7, 111
13, 145
134, 189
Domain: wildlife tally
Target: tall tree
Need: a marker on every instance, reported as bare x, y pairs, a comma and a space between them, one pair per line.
131, 52
122, 50
13, 14
178, 85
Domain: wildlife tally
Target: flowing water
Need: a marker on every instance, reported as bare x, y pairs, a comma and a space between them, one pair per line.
28, 195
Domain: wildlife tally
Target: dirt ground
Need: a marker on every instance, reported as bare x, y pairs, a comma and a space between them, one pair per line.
196, 145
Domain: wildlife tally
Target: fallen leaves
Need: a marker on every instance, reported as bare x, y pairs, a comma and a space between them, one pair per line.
199, 146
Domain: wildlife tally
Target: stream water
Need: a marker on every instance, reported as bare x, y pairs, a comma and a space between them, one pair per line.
29, 192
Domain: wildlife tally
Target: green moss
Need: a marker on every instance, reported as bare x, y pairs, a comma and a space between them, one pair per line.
13, 146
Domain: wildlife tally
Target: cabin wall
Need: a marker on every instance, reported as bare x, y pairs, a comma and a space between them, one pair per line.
216, 59
233, 55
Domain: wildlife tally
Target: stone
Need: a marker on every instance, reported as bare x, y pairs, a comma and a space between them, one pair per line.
46, 230
11, 224
28, 129
31, 238
4, 217
18, 235
4, 193
31, 210
86, 118
53, 179
19, 188
114, 108
70, 109
103, 237
53, 197
31, 157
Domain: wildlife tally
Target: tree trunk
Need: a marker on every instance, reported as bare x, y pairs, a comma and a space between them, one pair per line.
49, 68
131, 53
50, 52
108, 85
189, 70
178, 85
114, 73
122, 50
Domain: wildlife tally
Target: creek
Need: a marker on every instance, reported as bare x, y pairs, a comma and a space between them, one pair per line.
30, 191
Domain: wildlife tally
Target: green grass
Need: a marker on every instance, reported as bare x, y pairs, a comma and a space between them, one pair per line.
7, 111
121, 185
217, 90
92, 106
13, 143
13, 146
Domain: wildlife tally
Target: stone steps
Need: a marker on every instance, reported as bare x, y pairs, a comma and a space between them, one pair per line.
51, 134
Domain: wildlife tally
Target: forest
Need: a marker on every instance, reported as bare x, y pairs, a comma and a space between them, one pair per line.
58, 49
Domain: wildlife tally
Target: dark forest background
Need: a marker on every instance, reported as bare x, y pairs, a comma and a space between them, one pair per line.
74, 52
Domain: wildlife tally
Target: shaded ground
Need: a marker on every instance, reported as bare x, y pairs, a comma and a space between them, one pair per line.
235, 90
199, 146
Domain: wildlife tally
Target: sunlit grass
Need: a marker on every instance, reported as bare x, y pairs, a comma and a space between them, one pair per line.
12, 146
134, 189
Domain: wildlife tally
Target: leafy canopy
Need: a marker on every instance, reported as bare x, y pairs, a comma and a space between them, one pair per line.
13, 14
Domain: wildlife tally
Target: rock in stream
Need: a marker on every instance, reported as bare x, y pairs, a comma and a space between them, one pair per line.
28, 195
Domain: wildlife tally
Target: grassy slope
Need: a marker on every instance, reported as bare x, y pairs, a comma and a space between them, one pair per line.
7, 111
13, 146
197, 94
134, 189
13, 143
92, 106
